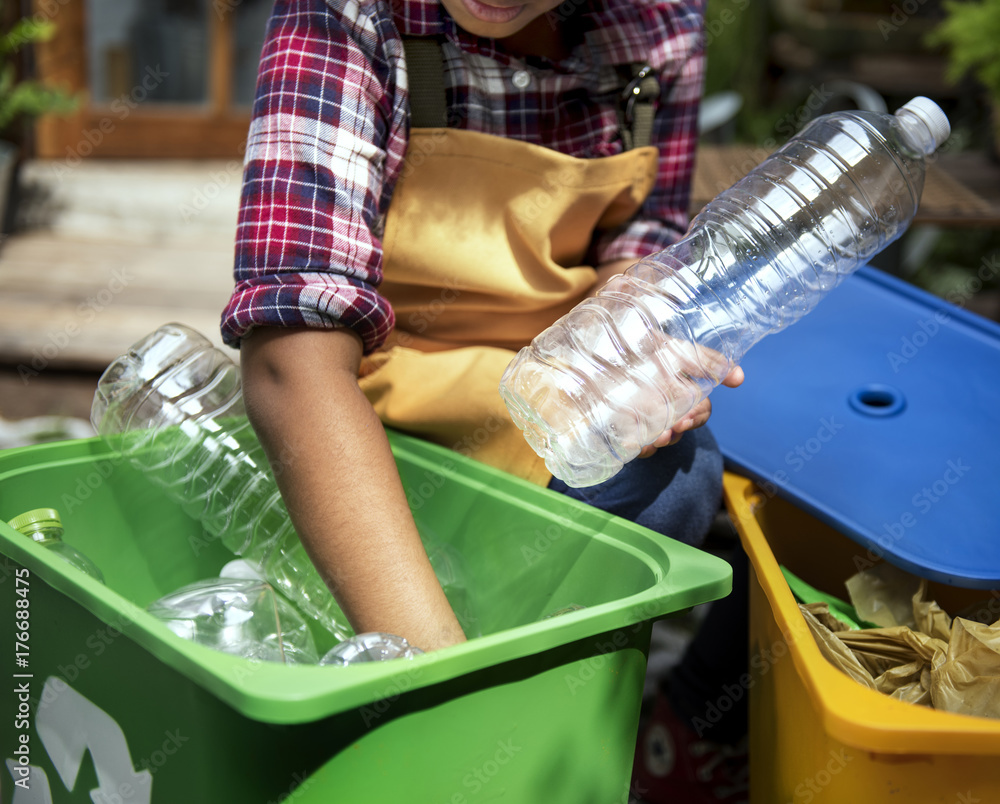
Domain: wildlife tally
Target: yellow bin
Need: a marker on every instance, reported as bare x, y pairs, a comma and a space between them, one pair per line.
815, 734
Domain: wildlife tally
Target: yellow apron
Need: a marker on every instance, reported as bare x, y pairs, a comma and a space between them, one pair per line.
483, 247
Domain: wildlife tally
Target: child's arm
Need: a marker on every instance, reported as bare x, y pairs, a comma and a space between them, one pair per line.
325, 144
342, 489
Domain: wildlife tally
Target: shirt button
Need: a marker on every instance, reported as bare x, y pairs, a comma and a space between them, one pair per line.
521, 79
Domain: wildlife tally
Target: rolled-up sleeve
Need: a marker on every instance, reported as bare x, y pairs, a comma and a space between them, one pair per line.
327, 134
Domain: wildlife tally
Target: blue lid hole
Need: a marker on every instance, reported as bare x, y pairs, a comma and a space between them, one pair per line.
877, 400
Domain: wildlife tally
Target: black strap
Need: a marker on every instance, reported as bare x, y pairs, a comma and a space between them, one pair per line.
638, 105
425, 68
429, 105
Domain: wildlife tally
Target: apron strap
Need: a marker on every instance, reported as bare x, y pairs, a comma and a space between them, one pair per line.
638, 99
425, 68
429, 106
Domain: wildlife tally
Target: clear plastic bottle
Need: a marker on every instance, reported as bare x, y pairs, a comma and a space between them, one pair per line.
241, 616
173, 407
44, 526
622, 367
450, 569
370, 647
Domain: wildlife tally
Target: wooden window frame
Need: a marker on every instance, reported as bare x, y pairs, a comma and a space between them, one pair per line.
119, 128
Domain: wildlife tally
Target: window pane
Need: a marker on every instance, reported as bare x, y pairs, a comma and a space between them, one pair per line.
153, 51
251, 22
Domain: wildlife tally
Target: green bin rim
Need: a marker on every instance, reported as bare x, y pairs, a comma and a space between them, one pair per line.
275, 693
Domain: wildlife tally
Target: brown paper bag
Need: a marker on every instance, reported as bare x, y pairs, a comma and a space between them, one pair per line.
952, 665
968, 680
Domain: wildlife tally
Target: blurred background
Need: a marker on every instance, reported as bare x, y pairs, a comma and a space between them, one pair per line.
122, 124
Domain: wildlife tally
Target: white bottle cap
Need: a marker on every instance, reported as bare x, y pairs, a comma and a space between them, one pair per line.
932, 116
241, 570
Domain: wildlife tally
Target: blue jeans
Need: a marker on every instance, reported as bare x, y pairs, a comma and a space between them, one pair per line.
677, 491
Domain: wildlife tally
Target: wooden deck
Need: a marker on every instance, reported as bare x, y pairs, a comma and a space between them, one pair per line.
68, 302
119, 248
957, 191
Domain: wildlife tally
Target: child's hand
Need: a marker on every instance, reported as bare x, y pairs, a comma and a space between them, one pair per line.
695, 417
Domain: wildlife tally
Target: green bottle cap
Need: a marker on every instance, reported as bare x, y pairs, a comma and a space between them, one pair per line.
36, 519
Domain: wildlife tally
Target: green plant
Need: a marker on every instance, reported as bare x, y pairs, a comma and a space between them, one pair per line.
22, 99
961, 264
971, 34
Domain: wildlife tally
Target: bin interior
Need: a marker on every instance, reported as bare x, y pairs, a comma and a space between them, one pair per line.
525, 552
825, 558
521, 569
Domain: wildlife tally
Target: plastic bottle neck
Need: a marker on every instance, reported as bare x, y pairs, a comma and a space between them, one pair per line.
44, 535
916, 132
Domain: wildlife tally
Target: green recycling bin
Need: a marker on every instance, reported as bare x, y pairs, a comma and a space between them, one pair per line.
110, 706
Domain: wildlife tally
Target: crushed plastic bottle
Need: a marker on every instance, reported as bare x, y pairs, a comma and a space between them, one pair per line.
173, 406
623, 367
451, 572
44, 526
370, 647
240, 616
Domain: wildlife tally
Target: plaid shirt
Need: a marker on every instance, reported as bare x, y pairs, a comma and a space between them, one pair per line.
330, 125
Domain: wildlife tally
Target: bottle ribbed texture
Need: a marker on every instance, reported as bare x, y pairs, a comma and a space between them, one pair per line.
173, 407
624, 366
240, 616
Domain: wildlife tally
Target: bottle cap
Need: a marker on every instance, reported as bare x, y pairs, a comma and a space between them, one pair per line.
932, 116
36, 519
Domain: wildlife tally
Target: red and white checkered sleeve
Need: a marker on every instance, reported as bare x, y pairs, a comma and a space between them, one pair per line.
326, 137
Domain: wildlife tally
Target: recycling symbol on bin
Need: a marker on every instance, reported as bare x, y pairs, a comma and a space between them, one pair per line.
69, 726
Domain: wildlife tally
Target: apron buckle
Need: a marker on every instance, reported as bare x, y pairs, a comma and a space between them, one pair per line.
638, 90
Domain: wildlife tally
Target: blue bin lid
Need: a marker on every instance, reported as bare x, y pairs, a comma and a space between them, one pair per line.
879, 413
